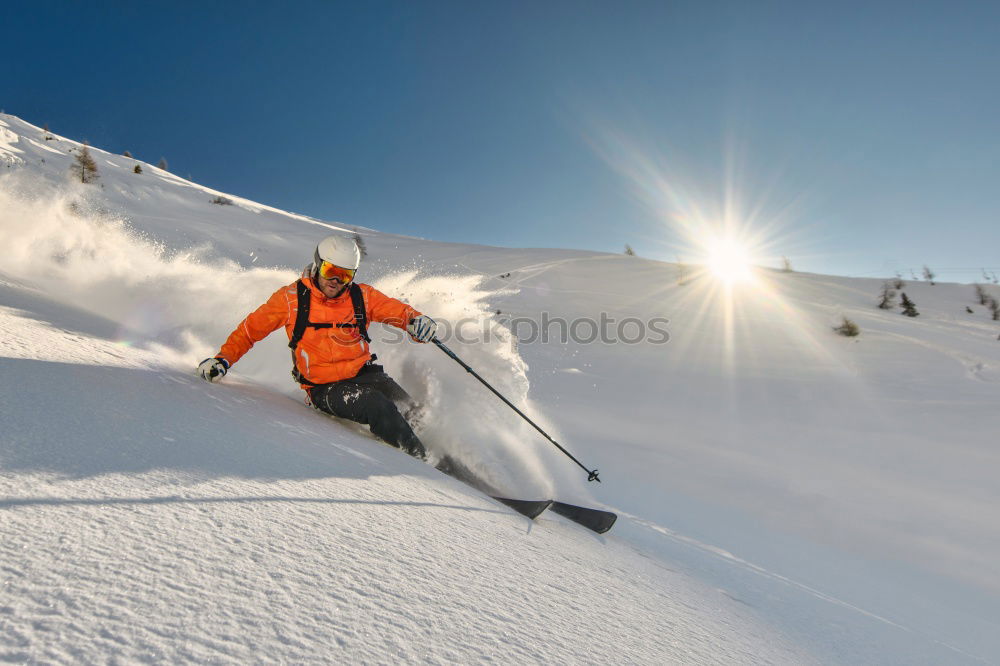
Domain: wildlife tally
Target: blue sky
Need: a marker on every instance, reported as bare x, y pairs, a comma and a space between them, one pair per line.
854, 138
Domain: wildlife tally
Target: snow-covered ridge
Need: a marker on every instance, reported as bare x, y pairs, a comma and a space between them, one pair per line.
780, 479
8, 151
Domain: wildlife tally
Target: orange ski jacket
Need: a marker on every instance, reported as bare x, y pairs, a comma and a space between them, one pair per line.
323, 355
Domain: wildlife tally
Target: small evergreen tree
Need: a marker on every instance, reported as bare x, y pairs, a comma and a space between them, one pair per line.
909, 307
968, 309
885, 298
162, 164
222, 201
786, 265
848, 328
981, 295
86, 165
929, 275
137, 169
127, 154
360, 242
897, 282
994, 307
683, 272
629, 251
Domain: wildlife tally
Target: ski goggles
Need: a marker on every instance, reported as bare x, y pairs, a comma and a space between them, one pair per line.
330, 271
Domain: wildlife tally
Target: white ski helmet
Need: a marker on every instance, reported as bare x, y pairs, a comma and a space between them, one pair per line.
339, 250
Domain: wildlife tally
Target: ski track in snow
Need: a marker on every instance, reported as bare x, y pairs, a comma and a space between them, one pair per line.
730, 558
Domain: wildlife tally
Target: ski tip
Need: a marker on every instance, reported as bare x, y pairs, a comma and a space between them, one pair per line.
529, 508
593, 519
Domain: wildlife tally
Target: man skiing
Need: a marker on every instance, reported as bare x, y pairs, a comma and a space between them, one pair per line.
325, 315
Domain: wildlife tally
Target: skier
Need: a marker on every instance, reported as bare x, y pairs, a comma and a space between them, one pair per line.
325, 315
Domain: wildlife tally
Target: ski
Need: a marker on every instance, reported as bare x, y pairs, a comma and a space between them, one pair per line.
593, 519
457, 470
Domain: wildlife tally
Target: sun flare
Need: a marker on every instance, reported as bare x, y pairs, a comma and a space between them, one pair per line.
729, 260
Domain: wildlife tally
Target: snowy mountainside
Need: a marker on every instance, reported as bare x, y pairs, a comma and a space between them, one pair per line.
252, 529
793, 494
149, 516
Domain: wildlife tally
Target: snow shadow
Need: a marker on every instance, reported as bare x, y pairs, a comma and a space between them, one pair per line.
124, 421
17, 502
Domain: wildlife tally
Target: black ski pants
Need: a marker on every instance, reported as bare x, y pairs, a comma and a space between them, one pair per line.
373, 398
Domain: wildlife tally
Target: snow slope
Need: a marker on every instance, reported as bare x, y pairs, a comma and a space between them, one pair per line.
787, 495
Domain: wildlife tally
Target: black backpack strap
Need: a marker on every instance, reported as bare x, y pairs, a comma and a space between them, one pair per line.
360, 315
301, 315
301, 321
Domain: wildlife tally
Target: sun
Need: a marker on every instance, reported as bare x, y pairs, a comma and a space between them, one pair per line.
729, 260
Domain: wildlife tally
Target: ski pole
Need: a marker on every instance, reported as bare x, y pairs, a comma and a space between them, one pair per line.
591, 474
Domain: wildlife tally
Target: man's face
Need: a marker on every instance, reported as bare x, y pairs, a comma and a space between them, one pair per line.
331, 288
